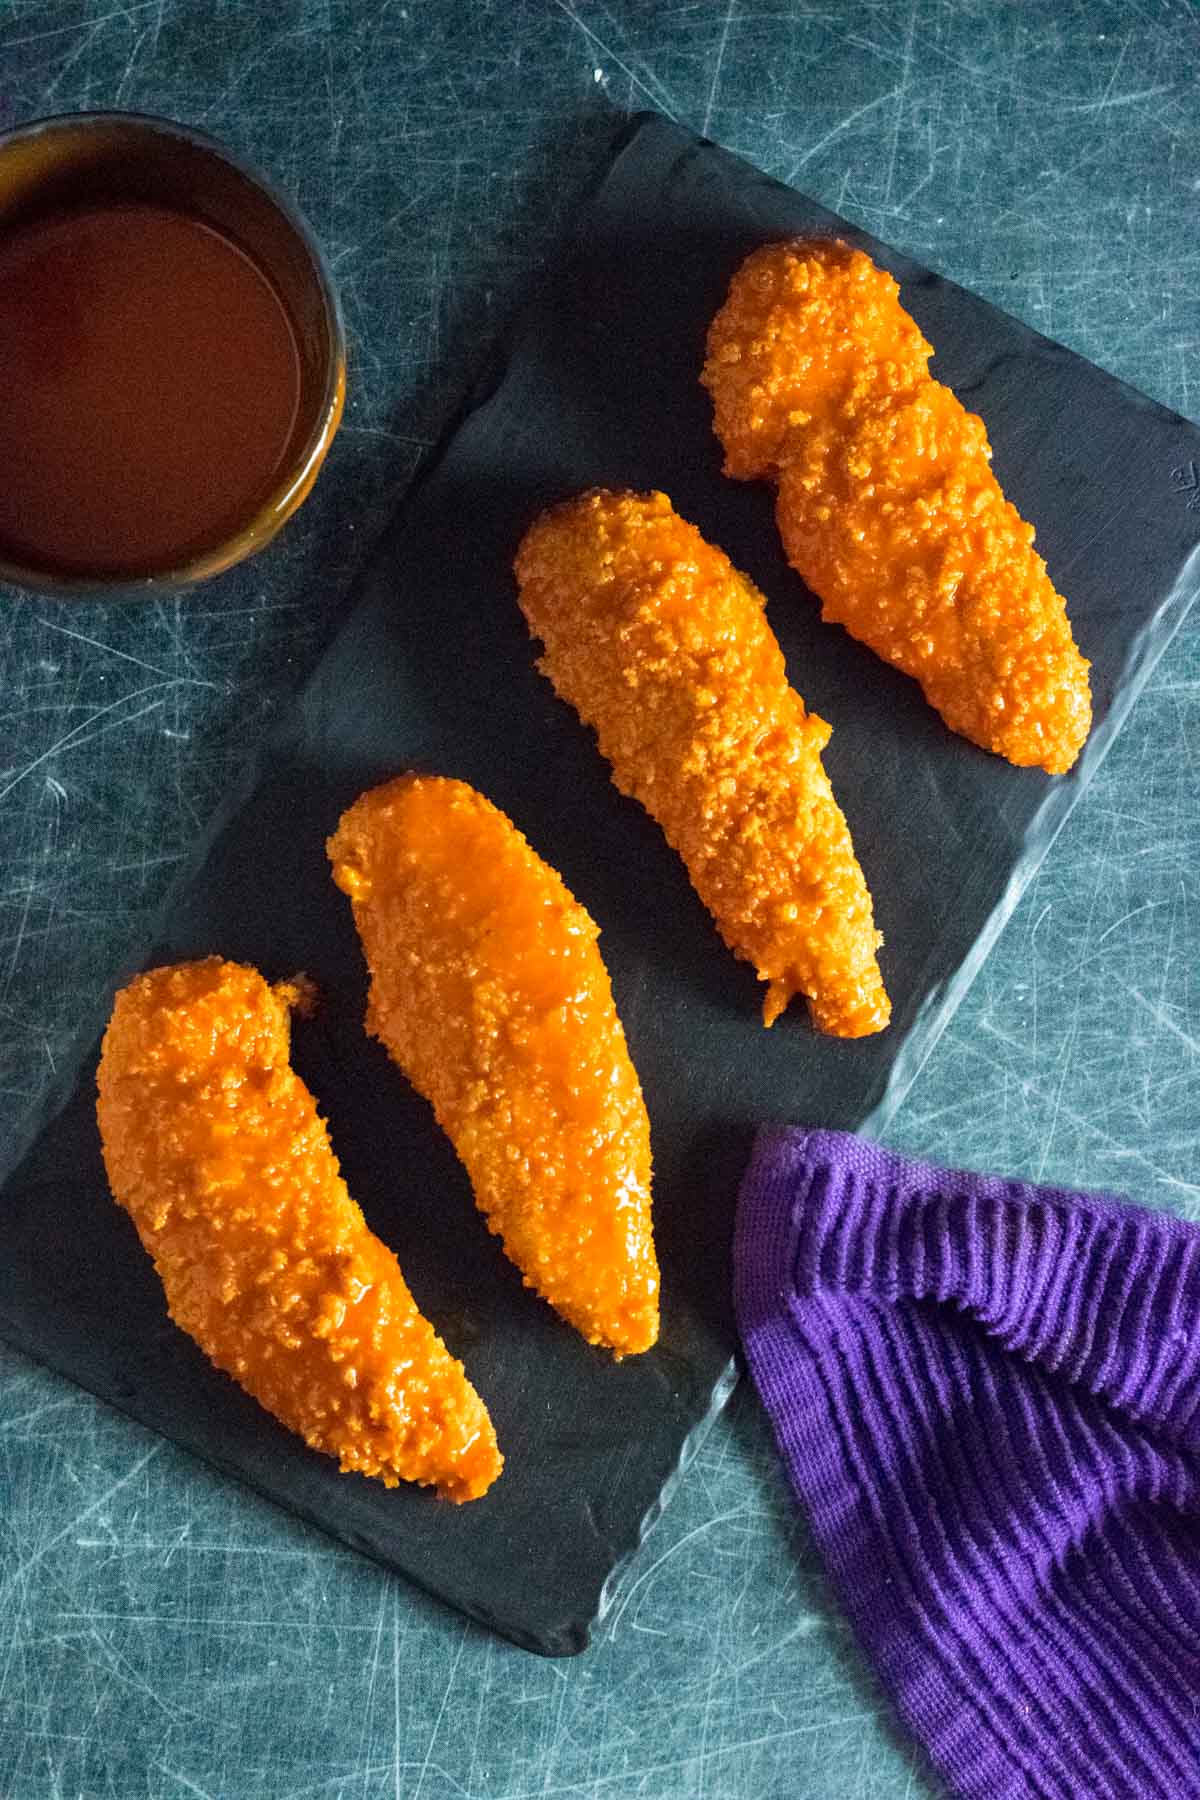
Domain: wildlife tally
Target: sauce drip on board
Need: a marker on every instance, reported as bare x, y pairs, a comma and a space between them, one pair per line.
149, 383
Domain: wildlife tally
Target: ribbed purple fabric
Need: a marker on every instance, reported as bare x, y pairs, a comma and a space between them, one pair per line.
987, 1396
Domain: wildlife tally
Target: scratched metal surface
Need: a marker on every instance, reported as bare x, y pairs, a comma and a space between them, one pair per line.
166, 1634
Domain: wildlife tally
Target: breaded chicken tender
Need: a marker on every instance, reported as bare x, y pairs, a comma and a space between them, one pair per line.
214, 1147
488, 990
887, 504
663, 648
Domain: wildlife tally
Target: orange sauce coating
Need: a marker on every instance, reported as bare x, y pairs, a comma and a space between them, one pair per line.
488, 990
887, 504
663, 647
214, 1147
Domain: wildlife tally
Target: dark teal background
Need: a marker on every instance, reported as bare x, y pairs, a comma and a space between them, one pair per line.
166, 1634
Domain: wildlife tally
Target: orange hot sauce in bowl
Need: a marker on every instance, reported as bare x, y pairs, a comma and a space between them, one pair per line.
148, 386
171, 359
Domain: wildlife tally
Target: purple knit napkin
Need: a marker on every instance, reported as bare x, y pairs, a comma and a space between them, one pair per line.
987, 1395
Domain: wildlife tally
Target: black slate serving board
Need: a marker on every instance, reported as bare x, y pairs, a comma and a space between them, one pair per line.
597, 383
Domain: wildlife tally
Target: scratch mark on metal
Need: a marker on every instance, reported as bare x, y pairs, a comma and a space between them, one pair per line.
718, 64
93, 1506
437, 1723
604, 49
842, 126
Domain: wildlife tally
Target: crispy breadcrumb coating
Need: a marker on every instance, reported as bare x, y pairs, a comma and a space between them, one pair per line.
662, 647
214, 1147
488, 989
887, 504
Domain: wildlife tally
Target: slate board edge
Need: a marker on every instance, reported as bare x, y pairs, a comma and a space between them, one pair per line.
1145, 653
571, 1641
693, 1443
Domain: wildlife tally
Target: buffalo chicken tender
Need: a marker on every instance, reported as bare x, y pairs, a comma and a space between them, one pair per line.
214, 1147
663, 648
887, 504
488, 990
